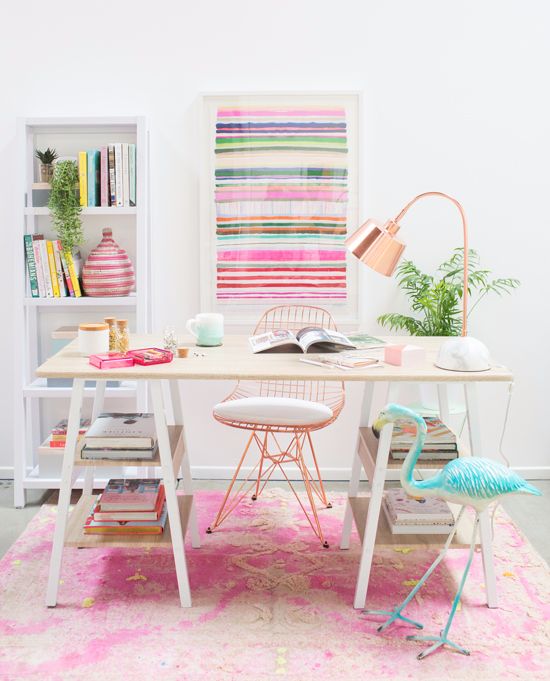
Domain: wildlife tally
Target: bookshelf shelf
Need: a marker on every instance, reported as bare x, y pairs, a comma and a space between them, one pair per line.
84, 301
76, 537
40, 389
98, 210
36, 318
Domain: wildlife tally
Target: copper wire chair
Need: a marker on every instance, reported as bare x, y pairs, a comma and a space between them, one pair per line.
273, 455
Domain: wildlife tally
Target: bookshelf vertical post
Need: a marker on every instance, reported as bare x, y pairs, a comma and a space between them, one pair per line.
35, 318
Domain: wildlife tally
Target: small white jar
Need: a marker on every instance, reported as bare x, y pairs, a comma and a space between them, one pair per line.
93, 339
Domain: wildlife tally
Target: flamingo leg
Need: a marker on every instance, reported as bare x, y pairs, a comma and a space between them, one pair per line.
442, 638
395, 614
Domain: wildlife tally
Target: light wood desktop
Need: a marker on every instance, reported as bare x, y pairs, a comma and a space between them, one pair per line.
234, 360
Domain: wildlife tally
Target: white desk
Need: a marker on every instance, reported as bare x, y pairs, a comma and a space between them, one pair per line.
234, 361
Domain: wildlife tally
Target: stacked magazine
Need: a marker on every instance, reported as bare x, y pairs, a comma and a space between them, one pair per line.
440, 442
120, 436
409, 515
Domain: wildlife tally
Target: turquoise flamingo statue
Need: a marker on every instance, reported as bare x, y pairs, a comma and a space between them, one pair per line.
471, 481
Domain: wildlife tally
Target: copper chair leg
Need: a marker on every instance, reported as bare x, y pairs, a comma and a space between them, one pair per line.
307, 482
218, 519
324, 499
262, 459
294, 451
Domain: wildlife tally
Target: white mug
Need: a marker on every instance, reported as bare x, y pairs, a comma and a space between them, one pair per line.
207, 327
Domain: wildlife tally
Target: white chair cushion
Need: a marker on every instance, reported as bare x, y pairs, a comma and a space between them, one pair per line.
274, 411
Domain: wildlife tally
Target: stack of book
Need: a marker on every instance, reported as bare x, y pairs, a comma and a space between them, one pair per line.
129, 507
440, 443
120, 436
409, 515
58, 436
107, 176
50, 269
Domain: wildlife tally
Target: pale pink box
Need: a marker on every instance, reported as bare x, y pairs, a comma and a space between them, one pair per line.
404, 355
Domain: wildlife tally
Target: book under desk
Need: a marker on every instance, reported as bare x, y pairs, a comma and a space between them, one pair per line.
77, 538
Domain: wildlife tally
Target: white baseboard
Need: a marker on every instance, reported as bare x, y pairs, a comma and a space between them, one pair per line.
533, 472
338, 474
226, 472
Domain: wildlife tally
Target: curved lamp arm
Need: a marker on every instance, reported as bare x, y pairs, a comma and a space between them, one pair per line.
465, 236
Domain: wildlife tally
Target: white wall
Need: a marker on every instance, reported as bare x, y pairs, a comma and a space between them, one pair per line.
455, 100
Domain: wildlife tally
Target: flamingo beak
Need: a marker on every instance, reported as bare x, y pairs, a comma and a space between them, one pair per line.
380, 422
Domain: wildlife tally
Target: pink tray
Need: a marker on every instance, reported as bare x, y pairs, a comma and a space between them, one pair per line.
149, 356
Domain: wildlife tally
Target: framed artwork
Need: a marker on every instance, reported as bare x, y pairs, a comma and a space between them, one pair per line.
279, 192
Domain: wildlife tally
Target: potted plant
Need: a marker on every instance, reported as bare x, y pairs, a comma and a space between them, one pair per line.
435, 301
64, 205
46, 159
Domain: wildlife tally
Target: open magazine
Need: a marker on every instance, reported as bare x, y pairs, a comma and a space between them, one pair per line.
282, 340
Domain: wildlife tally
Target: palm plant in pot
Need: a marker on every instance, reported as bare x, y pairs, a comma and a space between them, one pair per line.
46, 158
435, 300
436, 310
64, 205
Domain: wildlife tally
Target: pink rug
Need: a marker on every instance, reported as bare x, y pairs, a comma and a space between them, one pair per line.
268, 602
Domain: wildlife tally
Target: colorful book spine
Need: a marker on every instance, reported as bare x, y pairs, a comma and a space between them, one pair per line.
65, 267
72, 273
112, 178
38, 261
93, 177
83, 177
59, 270
46, 268
53, 271
31, 266
118, 175
104, 177
125, 176
132, 172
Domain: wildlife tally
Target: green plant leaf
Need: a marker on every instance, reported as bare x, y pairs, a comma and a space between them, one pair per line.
437, 302
65, 206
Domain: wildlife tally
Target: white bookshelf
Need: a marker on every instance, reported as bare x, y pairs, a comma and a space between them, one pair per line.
39, 405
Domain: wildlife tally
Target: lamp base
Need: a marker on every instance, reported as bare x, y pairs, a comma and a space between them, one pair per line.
463, 354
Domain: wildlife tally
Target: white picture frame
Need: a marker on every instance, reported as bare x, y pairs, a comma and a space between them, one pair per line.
243, 314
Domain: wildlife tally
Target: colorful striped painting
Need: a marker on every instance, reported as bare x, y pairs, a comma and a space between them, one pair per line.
281, 193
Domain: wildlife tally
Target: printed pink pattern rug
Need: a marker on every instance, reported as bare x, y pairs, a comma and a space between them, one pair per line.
269, 602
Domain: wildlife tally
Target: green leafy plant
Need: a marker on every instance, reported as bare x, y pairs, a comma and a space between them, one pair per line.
436, 301
46, 157
64, 205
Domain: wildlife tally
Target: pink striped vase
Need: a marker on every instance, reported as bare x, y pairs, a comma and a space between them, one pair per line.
108, 271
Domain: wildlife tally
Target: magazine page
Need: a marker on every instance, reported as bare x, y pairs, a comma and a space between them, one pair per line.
327, 338
363, 341
280, 339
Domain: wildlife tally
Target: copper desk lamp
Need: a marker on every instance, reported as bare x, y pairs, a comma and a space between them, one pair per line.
375, 244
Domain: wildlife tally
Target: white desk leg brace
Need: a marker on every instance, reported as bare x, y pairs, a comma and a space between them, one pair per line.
170, 491
65, 491
177, 411
373, 516
99, 400
353, 489
474, 429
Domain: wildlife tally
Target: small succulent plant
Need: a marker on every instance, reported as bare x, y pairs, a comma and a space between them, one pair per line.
47, 157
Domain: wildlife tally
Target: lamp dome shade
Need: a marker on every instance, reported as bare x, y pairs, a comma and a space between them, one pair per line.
463, 353
375, 245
